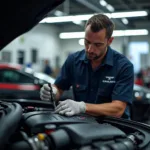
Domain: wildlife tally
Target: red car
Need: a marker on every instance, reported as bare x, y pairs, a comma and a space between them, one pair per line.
17, 82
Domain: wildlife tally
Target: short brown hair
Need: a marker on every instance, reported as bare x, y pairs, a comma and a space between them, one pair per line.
99, 22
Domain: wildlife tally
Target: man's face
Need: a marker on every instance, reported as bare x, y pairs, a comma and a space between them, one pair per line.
96, 43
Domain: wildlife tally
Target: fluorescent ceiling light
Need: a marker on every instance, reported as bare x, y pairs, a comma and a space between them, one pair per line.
103, 3
78, 22
86, 17
71, 35
130, 32
129, 14
125, 21
110, 8
66, 18
81, 42
58, 13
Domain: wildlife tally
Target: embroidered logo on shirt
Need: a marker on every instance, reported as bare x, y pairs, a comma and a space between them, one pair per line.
109, 79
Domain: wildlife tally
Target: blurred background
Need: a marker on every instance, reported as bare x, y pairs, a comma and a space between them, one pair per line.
44, 49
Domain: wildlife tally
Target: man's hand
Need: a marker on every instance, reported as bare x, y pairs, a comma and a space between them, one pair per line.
70, 107
45, 92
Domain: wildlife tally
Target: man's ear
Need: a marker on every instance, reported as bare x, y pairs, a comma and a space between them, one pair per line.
110, 40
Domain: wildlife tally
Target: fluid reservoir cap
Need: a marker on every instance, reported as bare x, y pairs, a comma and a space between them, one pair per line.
49, 128
41, 137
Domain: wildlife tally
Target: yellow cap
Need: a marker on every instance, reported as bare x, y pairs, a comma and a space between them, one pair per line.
41, 137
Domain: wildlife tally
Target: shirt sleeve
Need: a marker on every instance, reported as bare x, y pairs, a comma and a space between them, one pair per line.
123, 89
63, 80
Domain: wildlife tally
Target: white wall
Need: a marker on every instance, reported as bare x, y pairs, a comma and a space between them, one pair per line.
44, 38
144, 62
117, 44
69, 46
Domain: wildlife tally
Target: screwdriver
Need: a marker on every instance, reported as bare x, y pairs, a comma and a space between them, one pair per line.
52, 95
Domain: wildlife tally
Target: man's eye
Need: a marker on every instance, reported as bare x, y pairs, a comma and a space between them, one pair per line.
98, 45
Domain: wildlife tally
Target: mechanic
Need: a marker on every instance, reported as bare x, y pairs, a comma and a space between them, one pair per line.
101, 78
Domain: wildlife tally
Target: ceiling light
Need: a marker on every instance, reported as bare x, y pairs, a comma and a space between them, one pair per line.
110, 8
129, 14
78, 22
81, 42
130, 32
125, 21
66, 18
86, 17
58, 13
103, 3
70, 35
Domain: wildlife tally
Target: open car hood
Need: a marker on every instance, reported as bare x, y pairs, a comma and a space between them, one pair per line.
18, 17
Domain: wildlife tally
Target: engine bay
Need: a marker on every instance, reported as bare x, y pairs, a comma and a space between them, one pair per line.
27, 125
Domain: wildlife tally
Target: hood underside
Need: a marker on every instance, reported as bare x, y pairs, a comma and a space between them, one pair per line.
19, 16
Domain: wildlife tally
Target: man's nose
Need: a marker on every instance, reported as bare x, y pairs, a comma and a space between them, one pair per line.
90, 48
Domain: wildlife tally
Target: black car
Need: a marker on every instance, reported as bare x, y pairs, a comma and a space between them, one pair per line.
140, 108
141, 93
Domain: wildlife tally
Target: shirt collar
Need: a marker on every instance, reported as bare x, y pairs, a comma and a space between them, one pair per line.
84, 58
109, 57
107, 60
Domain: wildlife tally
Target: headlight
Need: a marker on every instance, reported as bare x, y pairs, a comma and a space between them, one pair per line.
148, 95
138, 95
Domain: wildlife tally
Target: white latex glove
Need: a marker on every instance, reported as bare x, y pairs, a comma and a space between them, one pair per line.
70, 107
45, 92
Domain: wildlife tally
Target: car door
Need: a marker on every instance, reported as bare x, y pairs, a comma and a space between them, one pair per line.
17, 84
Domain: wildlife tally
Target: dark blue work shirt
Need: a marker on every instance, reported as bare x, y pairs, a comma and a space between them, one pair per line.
112, 80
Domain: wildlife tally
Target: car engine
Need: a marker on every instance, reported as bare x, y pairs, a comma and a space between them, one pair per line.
33, 125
